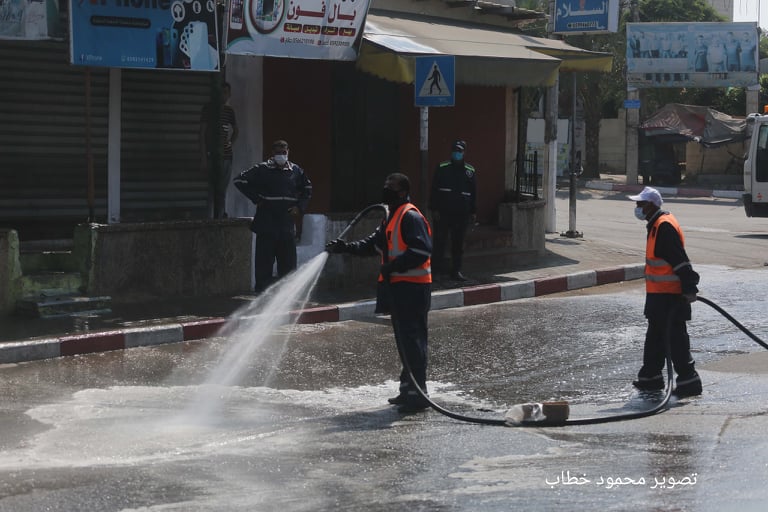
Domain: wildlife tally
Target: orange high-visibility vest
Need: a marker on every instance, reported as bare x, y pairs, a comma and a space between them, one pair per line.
397, 246
660, 277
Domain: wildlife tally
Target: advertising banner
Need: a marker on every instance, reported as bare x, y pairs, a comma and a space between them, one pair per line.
29, 19
163, 34
586, 16
305, 29
692, 54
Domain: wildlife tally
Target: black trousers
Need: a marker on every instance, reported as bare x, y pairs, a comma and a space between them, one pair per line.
410, 303
654, 351
270, 247
455, 227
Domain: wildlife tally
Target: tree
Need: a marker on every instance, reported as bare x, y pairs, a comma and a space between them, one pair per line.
603, 93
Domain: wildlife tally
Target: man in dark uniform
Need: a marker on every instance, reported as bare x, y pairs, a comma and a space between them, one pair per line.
404, 241
670, 284
280, 190
453, 206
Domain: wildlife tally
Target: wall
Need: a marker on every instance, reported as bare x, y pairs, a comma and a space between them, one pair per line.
477, 117
526, 221
165, 259
10, 270
612, 144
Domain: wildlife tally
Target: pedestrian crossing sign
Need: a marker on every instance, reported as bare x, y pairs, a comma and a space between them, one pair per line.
434, 84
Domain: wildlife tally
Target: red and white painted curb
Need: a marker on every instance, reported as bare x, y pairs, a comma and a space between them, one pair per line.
666, 191
86, 343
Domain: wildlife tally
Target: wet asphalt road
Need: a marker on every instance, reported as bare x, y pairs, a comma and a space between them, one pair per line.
308, 427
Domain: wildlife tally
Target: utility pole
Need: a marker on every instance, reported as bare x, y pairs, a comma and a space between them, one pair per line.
550, 137
575, 171
632, 151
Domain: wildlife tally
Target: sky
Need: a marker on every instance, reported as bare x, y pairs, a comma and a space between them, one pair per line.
747, 10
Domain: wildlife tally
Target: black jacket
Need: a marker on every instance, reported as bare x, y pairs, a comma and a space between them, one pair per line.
275, 190
454, 189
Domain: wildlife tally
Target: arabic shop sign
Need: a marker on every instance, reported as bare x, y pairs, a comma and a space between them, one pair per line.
164, 34
586, 16
306, 29
692, 54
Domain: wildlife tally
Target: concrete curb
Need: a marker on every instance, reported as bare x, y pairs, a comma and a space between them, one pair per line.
666, 191
86, 343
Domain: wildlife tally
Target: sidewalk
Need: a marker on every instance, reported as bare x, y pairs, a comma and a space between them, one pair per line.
618, 183
567, 264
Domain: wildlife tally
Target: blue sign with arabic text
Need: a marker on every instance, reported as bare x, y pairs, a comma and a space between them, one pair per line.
586, 16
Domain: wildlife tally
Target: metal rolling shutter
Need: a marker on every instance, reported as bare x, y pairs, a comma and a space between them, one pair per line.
43, 172
161, 178
43, 164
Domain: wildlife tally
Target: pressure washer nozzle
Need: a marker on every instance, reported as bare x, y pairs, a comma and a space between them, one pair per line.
540, 413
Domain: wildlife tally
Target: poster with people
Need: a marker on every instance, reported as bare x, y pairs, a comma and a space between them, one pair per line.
692, 54
172, 34
305, 29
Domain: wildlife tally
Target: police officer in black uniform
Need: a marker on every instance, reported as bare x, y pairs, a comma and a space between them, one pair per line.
404, 241
280, 190
453, 207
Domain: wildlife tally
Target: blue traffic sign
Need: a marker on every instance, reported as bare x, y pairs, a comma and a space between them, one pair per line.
631, 103
434, 84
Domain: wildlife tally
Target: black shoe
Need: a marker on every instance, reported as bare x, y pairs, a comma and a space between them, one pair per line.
413, 406
690, 386
649, 383
398, 400
458, 276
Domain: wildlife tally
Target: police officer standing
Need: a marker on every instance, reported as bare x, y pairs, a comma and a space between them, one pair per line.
280, 190
670, 285
404, 241
453, 206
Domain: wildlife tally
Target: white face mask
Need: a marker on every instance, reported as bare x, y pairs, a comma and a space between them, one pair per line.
280, 159
639, 213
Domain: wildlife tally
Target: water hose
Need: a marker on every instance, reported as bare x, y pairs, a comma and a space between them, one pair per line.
536, 414
732, 320
538, 417
360, 216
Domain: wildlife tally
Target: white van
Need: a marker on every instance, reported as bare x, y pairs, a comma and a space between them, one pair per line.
756, 168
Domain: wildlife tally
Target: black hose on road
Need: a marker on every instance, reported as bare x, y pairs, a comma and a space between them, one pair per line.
661, 406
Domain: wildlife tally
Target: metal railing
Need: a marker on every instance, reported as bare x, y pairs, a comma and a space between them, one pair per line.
527, 180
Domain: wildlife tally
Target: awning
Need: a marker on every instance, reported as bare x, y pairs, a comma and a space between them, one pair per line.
484, 56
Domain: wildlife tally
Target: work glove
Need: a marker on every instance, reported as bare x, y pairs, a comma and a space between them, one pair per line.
337, 246
689, 297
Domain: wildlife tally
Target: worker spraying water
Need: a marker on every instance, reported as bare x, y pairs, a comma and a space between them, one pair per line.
404, 291
404, 240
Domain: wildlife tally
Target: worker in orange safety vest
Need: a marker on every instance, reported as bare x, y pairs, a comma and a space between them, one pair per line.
404, 240
670, 284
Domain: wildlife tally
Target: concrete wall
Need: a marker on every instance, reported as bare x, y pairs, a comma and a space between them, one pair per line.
165, 259
10, 270
526, 221
613, 144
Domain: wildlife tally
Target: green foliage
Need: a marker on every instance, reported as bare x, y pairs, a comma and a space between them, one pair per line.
603, 94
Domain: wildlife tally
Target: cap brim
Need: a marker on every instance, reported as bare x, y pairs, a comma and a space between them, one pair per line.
636, 198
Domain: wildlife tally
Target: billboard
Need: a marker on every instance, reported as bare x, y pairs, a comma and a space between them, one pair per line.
163, 34
305, 29
692, 54
586, 16
29, 19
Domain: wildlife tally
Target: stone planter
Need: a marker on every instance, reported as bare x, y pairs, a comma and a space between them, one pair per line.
526, 221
